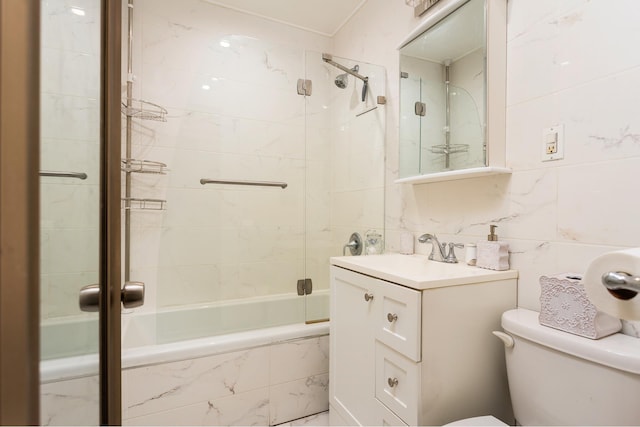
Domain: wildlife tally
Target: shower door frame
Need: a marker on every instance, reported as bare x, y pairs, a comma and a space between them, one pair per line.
110, 227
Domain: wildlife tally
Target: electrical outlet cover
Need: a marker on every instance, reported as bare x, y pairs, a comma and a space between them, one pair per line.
552, 136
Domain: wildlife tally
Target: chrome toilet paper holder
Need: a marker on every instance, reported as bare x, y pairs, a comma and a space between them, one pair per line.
621, 281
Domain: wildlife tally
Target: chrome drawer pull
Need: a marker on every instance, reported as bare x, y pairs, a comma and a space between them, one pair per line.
392, 317
368, 297
392, 382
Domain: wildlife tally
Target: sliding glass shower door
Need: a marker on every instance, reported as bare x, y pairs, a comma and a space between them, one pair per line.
79, 212
69, 206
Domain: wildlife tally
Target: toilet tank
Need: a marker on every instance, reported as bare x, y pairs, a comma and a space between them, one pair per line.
557, 378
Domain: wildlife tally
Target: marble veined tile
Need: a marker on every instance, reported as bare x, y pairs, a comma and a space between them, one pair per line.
71, 25
243, 409
297, 359
296, 399
524, 14
172, 385
594, 131
571, 48
70, 73
69, 117
597, 203
71, 402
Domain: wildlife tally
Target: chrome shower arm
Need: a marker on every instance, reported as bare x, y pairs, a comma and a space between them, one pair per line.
329, 59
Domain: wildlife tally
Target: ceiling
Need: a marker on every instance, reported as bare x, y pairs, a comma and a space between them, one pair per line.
321, 16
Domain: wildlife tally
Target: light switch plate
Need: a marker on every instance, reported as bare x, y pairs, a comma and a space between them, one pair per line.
553, 143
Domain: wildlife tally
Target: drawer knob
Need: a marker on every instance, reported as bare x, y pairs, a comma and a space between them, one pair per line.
368, 297
392, 382
392, 317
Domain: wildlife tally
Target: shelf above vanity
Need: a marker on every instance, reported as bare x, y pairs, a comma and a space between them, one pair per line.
454, 175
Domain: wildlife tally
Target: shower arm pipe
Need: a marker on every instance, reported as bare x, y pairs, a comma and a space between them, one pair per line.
329, 59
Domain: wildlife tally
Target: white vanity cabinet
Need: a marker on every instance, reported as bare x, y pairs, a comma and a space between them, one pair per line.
411, 341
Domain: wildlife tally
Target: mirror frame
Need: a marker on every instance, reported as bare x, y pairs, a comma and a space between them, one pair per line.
496, 87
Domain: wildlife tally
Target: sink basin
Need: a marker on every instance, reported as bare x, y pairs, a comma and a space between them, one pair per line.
418, 272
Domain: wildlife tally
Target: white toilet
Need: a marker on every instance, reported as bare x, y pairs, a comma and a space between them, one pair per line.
556, 378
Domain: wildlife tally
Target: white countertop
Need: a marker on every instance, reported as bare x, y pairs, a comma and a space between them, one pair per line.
418, 272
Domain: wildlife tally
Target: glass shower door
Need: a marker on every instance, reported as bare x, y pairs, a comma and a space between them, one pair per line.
77, 387
345, 139
69, 207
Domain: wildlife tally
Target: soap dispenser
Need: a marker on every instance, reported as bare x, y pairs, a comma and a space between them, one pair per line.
493, 254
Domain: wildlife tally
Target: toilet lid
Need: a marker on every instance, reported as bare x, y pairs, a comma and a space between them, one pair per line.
487, 420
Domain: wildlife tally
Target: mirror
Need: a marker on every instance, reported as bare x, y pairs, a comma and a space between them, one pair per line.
445, 92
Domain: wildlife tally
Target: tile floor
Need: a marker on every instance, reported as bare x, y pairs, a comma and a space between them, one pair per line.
321, 419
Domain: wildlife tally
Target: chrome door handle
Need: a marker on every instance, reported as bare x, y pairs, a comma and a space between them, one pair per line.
89, 299
368, 297
391, 317
131, 295
392, 382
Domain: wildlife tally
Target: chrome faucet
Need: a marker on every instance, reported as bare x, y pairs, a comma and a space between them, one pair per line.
441, 253
436, 255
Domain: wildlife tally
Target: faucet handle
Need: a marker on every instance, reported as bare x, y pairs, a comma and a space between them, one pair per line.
354, 245
451, 255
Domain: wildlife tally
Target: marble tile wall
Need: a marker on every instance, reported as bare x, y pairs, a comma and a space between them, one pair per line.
72, 402
258, 386
571, 62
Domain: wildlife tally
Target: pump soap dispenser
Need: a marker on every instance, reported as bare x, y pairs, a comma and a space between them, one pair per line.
493, 254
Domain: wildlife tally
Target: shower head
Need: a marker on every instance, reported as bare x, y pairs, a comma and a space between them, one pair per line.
342, 80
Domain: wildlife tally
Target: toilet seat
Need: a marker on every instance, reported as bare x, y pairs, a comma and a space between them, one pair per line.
486, 420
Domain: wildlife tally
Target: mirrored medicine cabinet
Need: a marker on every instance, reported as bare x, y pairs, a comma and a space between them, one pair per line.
452, 93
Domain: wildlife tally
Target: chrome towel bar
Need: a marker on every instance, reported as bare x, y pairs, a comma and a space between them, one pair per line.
78, 175
282, 185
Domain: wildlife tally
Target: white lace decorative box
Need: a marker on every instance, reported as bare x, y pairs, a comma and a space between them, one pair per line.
564, 305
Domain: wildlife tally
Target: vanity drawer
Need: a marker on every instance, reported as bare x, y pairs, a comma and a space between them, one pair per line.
398, 322
382, 416
397, 381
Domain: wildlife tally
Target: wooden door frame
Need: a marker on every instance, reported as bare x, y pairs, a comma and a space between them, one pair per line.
19, 212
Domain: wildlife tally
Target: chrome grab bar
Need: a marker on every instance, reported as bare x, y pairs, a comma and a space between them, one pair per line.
78, 175
282, 185
618, 280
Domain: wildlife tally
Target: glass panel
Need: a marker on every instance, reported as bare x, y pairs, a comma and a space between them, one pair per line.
345, 167
217, 258
69, 216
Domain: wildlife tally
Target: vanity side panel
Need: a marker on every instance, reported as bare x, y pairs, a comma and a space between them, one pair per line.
352, 346
464, 373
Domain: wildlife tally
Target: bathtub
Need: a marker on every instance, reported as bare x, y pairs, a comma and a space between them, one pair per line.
191, 375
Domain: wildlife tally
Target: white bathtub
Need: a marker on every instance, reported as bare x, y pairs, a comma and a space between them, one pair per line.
277, 373
69, 347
